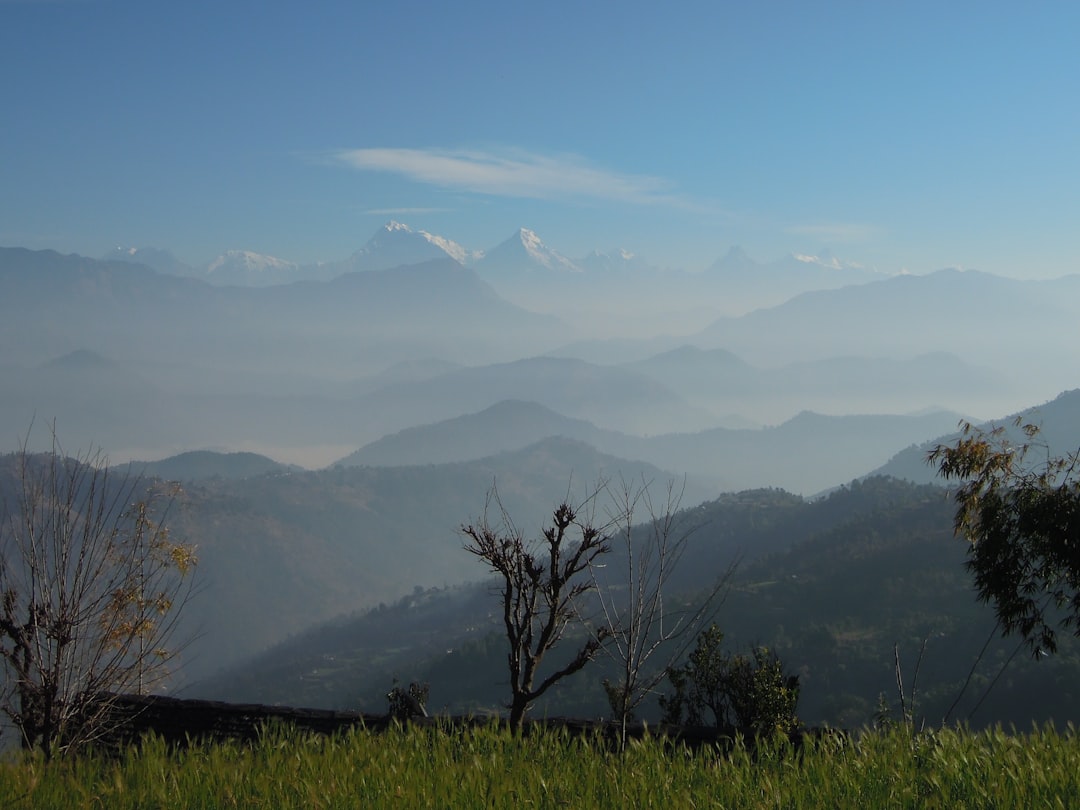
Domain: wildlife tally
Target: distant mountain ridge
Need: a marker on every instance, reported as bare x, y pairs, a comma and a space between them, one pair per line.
947, 308
71, 295
724, 383
247, 269
524, 252
254, 368
203, 465
396, 244
622, 399
284, 549
1058, 420
505, 426
807, 454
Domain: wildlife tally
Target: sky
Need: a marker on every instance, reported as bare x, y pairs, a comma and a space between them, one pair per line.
901, 136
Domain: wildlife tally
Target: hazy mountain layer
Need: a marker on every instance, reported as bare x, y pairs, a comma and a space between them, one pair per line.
282, 550
1014, 327
1059, 435
308, 372
806, 454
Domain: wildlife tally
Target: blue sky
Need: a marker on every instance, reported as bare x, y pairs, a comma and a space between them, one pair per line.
903, 136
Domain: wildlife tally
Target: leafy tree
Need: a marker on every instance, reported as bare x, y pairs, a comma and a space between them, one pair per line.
541, 582
748, 692
1019, 508
406, 702
91, 584
699, 683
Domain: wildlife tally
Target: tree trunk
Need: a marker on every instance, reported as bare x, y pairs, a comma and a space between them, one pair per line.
518, 708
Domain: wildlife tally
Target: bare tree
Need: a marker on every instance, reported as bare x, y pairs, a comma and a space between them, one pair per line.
91, 584
541, 582
646, 633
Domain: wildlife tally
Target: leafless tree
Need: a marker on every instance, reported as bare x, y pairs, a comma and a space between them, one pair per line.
541, 582
646, 632
91, 584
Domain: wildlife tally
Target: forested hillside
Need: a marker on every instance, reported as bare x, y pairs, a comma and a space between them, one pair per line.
283, 550
831, 586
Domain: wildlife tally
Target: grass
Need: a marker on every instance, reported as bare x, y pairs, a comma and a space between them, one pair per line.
488, 767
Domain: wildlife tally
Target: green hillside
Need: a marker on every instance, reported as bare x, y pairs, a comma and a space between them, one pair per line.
830, 585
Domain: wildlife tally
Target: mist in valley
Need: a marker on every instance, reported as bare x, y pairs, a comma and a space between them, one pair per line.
342, 296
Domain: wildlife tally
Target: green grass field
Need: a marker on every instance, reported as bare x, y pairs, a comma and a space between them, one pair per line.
490, 768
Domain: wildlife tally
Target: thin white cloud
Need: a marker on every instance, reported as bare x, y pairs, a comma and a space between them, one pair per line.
513, 173
838, 232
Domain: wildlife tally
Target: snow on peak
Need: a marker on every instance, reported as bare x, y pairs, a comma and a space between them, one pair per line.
396, 244
526, 251
530, 240
249, 261
619, 260
453, 249
826, 260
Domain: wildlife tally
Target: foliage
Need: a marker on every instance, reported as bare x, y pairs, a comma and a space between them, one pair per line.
410, 701
91, 583
540, 585
487, 767
750, 692
1021, 515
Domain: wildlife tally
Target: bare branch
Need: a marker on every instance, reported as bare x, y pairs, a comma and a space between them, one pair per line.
646, 632
540, 583
92, 584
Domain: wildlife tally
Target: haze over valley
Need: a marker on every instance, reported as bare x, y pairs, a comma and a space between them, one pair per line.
149, 364
341, 271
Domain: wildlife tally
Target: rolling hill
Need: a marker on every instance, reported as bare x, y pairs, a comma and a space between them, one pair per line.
806, 454
286, 549
830, 586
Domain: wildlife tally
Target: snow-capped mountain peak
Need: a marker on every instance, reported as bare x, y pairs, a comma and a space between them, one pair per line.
827, 260
250, 269
249, 261
396, 244
525, 251
530, 240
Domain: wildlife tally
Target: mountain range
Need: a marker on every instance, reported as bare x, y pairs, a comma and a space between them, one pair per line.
282, 549
308, 372
412, 376
1059, 435
843, 589
523, 256
807, 454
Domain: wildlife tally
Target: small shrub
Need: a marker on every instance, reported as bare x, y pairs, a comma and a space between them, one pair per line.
750, 692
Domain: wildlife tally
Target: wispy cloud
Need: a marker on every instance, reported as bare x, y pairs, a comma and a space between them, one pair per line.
838, 232
514, 173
